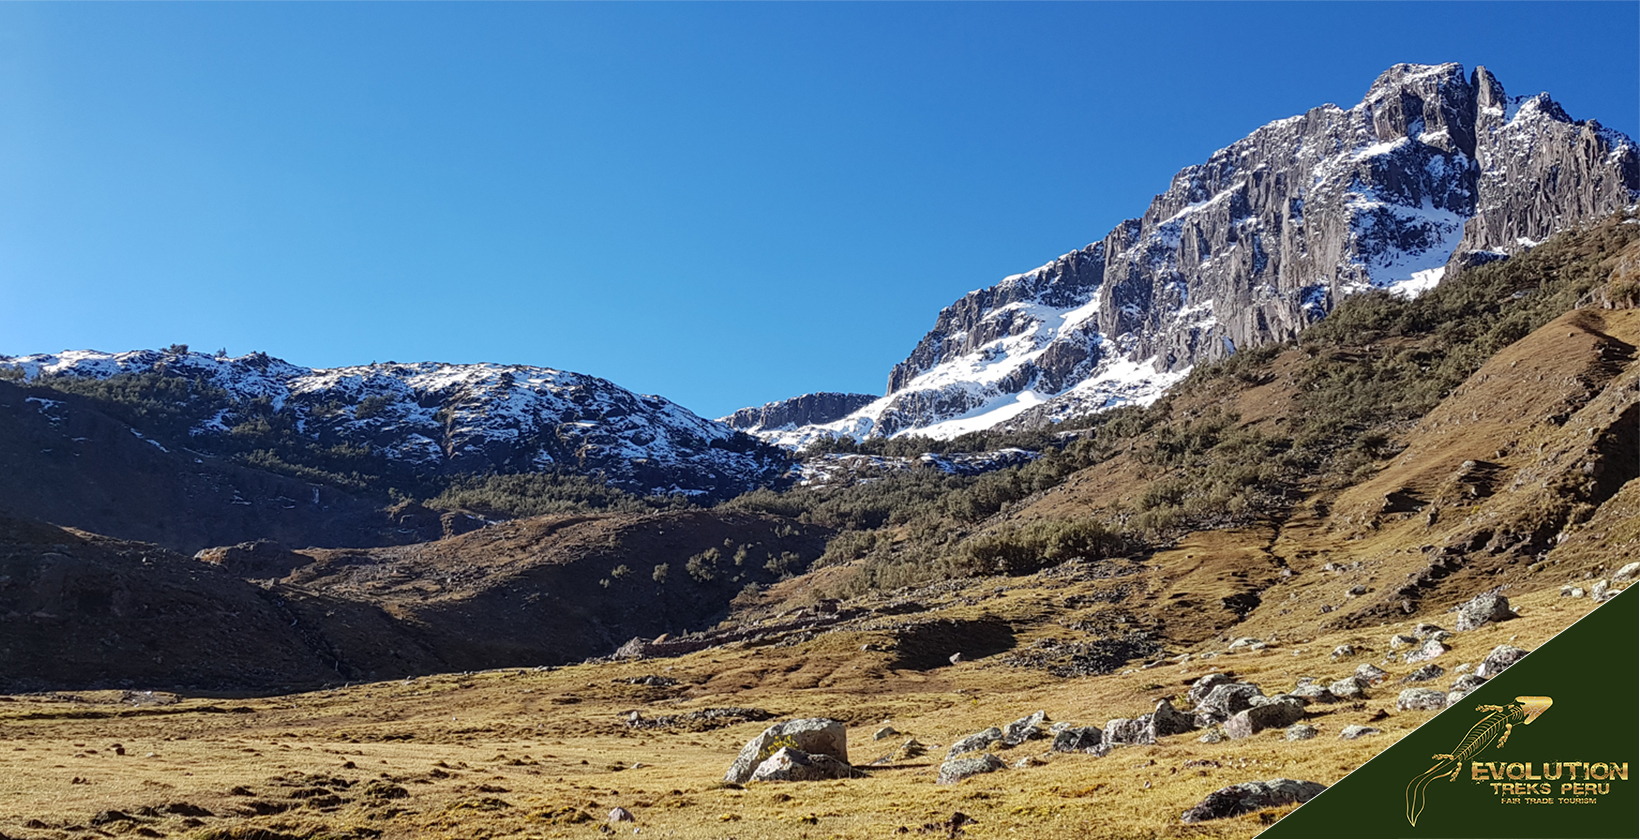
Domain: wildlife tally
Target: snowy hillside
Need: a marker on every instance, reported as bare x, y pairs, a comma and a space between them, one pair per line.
444, 418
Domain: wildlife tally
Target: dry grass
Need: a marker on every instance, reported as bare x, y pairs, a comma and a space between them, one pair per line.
527, 753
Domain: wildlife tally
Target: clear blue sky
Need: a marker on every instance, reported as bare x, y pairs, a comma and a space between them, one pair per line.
721, 203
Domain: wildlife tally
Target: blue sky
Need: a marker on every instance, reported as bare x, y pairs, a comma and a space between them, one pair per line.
722, 203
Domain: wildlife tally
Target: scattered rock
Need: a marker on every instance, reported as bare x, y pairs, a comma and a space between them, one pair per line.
975, 742
1602, 589
1077, 739
1462, 687
955, 658
885, 732
1420, 700
1247, 643
1370, 674
1225, 700
1428, 651
814, 736
1355, 591
789, 765
1424, 674
1316, 693
1202, 687
1212, 736
1024, 729
1301, 732
1028, 761
1247, 797
1166, 720
1627, 573
1427, 631
1499, 659
1348, 688
957, 769
1272, 715
1401, 640
1570, 591
1129, 731
1343, 652
1356, 730
620, 815
1482, 609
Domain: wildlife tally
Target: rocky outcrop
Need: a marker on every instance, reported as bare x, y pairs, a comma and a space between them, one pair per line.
806, 410
1435, 166
1248, 797
810, 736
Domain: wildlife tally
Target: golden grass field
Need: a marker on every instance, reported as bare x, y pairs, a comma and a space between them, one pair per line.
528, 753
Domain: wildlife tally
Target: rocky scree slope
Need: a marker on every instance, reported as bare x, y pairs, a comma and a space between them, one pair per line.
431, 418
1433, 168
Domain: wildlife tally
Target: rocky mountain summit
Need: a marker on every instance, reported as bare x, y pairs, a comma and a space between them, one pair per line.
805, 410
433, 418
1433, 168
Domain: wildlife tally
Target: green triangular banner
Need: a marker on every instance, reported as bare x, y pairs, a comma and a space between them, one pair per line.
1573, 771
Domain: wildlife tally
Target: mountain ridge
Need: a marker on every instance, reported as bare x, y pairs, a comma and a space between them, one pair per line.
1432, 169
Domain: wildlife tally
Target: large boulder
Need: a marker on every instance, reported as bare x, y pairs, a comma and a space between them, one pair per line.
1202, 687
1427, 651
1225, 700
1129, 731
1276, 714
789, 765
1077, 739
975, 742
1348, 688
1024, 729
1166, 720
1500, 658
1421, 700
814, 736
1370, 674
259, 559
957, 769
1248, 797
1482, 609
1317, 693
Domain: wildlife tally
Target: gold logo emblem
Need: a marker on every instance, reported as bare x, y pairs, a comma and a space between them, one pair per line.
1499, 723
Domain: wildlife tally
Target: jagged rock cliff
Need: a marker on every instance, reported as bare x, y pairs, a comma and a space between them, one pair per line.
1434, 166
806, 410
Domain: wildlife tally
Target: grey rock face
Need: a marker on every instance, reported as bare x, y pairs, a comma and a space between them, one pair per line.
813, 736
1273, 715
975, 742
1247, 797
957, 769
806, 410
1348, 688
1077, 739
1435, 166
1314, 693
1482, 609
1429, 650
789, 765
1166, 720
1024, 729
1424, 674
1301, 732
1370, 674
1356, 730
1500, 658
1225, 700
1200, 688
1129, 731
1420, 700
